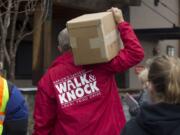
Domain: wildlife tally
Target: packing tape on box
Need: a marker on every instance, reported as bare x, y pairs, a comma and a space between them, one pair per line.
107, 40
111, 37
97, 43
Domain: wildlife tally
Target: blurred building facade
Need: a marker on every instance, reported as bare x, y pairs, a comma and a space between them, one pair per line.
45, 38
156, 23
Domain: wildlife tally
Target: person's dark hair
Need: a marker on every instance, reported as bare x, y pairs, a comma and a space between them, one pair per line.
164, 74
63, 40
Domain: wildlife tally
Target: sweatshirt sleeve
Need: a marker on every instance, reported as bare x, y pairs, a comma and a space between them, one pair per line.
131, 54
45, 109
16, 120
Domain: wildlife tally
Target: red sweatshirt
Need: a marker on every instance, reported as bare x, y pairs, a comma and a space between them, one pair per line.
84, 100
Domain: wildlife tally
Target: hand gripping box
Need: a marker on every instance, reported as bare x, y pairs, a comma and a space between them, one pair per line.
93, 38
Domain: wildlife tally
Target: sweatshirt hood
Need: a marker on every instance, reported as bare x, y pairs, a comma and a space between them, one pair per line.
62, 59
159, 119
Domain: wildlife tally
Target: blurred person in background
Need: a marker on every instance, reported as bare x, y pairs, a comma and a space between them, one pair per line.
142, 97
162, 116
13, 110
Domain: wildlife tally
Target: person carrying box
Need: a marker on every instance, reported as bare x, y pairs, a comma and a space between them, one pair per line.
83, 99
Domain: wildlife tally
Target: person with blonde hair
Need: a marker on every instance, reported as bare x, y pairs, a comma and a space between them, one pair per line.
142, 97
143, 77
162, 117
144, 94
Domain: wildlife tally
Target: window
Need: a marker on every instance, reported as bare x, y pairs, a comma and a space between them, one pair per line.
170, 50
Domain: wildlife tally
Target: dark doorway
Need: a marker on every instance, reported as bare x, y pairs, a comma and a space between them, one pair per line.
23, 69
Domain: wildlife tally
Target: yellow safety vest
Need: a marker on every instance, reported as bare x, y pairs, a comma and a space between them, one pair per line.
4, 97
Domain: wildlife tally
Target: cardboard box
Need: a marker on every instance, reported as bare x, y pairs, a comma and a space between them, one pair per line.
93, 38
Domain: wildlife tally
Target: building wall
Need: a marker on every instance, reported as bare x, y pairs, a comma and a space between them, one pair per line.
143, 17
133, 79
57, 26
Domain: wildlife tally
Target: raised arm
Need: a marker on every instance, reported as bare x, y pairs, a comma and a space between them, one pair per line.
132, 53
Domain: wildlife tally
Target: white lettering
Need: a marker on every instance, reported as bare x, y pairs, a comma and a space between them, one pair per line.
63, 99
70, 85
71, 95
77, 83
61, 87
87, 91
77, 88
83, 79
94, 87
79, 92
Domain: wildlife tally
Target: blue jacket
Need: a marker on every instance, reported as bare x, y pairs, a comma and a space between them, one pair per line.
16, 120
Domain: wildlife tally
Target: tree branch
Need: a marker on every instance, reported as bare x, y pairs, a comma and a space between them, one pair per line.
7, 15
20, 39
7, 55
3, 4
13, 30
21, 36
1, 23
